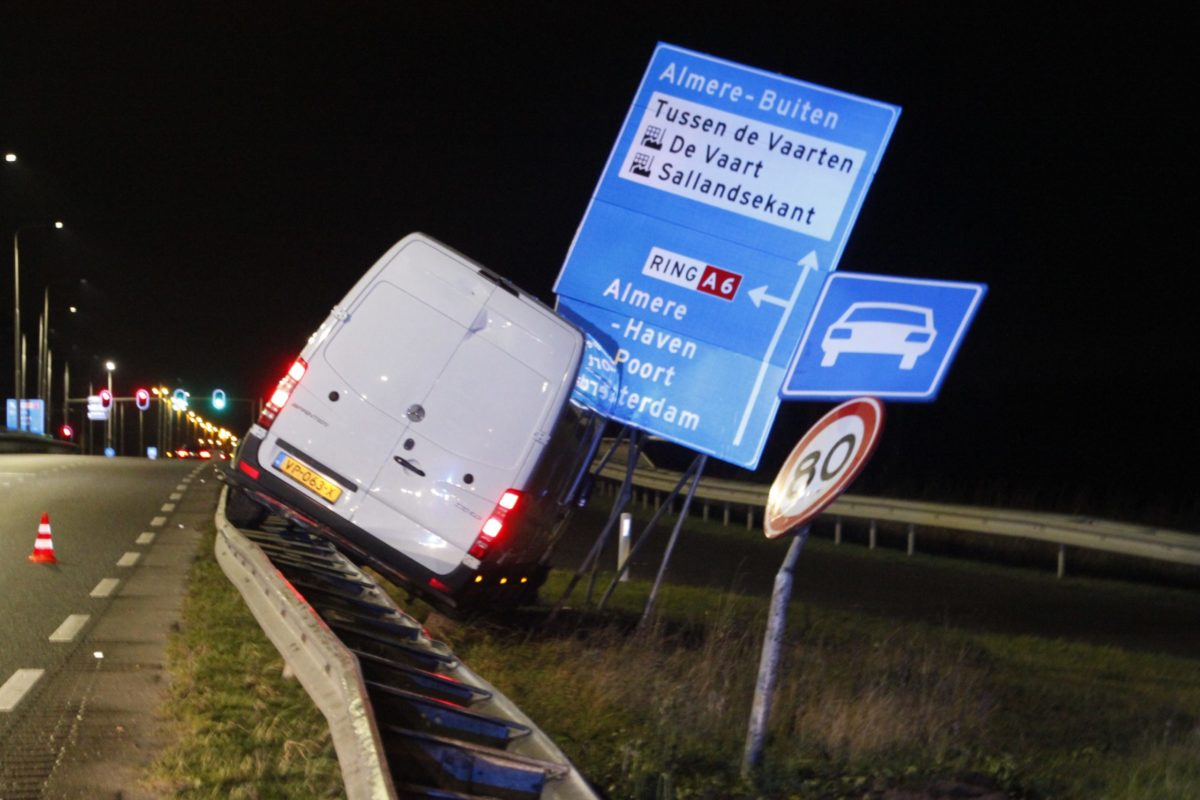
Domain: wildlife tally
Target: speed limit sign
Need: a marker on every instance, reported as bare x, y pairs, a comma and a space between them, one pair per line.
823, 464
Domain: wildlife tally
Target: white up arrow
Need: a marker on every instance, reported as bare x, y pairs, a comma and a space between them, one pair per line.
809, 263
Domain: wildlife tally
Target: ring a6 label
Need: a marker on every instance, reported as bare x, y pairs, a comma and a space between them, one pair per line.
823, 464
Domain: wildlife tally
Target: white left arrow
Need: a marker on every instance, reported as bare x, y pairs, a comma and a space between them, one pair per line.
759, 296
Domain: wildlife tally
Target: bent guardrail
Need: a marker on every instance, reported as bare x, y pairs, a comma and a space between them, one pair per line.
407, 718
1062, 529
22, 442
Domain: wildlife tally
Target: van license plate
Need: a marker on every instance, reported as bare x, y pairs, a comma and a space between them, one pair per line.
310, 478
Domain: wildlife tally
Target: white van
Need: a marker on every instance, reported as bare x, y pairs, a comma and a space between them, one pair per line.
426, 428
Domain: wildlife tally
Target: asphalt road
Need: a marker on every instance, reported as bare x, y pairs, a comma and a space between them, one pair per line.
98, 509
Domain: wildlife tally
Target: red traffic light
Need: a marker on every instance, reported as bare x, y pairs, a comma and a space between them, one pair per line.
141, 398
67, 432
105, 399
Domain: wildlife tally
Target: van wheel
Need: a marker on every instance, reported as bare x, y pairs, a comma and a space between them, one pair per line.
242, 511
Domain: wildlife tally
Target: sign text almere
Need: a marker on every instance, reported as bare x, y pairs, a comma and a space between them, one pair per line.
728, 197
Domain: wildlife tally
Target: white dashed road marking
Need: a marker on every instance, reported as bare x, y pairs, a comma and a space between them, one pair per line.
145, 538
128, 560
17, 686
168, 507
70, 628
176, 496
158, 522
105, 587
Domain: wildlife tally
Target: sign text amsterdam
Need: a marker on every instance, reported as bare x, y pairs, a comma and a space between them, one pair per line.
727, 189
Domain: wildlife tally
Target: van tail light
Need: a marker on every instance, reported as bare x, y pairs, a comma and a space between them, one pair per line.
495, 524
282, 392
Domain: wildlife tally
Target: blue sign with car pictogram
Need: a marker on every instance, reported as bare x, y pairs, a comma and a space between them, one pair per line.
881, 336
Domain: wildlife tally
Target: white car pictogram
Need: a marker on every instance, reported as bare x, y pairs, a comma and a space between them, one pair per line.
880, 329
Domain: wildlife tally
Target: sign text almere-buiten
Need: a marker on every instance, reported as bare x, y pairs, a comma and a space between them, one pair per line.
726, 200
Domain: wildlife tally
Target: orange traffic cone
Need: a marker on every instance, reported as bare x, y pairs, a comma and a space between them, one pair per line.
43, 546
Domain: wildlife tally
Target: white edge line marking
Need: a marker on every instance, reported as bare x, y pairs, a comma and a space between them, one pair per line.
146, 538
128, 560
70, 628
158, 522
15, 688
105, 587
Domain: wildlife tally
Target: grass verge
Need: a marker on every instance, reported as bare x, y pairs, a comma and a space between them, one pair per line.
242, 730
865, 707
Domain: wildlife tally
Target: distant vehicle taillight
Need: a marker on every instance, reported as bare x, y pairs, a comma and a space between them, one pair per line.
282, 392
494, 525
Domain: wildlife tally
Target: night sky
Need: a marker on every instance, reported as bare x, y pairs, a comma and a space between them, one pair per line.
226, 175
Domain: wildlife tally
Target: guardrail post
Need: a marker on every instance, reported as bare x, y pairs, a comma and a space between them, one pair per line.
912, 538
1062, 560
871, 535
726, 522
706, 511
750, 518
623, 542
837, 530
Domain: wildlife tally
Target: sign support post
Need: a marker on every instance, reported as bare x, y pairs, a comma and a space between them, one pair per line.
645, 534
695, 471
768, 665
619, 503
634, 450
825, 461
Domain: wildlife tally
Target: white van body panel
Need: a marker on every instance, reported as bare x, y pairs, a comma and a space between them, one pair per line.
430, 391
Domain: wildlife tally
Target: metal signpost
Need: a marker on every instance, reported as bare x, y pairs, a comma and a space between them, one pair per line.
883, 336
822, 466
728, 196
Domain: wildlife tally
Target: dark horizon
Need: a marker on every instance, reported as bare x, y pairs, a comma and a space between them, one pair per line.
226, 175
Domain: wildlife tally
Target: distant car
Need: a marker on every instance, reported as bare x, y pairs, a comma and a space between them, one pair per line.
892, 329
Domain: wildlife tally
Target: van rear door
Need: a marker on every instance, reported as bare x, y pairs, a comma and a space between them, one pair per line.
401, 338
484, 421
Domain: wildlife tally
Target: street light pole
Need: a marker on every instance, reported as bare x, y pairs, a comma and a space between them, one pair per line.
44, 347
17, 324
18, 372
110, 366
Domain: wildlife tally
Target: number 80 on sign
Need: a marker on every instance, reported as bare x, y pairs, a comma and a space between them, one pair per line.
823, 464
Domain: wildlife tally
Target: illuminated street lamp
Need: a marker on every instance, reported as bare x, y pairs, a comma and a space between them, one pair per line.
10, 157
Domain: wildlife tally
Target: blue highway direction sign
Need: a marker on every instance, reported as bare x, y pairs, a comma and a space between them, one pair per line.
728, 197
32, 416
881, 336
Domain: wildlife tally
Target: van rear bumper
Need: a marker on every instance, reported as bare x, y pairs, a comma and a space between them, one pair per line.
283, 499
